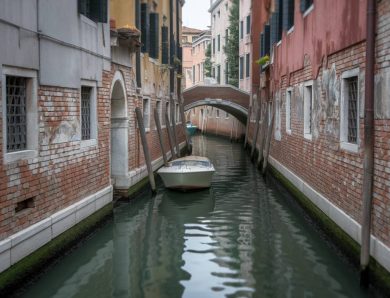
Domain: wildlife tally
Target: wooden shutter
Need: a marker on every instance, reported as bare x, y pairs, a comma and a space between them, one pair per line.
145, 27
138, 14
267, 39
154, 35
288, 14
164, 45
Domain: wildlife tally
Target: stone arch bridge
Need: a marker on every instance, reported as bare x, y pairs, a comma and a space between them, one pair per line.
225, 97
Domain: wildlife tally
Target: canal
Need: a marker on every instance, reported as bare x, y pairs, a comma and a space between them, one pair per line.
240, 238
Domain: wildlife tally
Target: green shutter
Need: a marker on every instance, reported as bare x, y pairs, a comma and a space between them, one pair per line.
154, 35
145, 27
164, 45
103, 11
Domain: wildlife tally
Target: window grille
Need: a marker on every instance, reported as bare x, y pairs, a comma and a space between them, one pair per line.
86, 112
16, 88
352, 85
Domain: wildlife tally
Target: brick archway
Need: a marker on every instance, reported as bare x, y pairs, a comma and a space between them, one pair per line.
225, 97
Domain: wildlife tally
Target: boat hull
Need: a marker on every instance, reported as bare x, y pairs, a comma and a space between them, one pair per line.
187, 180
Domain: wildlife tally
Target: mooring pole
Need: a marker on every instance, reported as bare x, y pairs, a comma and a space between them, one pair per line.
183, 122
160, 137
268, 143
248, 121
146, 148
253, 151
264, 122
368, 141
170, 139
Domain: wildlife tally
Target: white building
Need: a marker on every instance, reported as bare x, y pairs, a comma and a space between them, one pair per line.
219, 10
245, 46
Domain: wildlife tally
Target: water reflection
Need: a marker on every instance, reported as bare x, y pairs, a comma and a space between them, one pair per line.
241, 238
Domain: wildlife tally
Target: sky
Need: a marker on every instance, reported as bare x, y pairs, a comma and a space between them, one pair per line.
195, 14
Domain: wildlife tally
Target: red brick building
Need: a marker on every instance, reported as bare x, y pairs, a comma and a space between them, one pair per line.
315, 78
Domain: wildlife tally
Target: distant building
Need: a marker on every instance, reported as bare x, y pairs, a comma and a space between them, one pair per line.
188, 36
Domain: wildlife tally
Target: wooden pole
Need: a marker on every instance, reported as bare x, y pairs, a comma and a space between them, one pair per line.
146, 149
268, 143
264, 122
183, 122
173, 117
248, 121
170, 139
160, 137
256, 132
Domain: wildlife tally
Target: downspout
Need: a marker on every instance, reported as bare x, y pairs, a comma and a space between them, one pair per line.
368, 165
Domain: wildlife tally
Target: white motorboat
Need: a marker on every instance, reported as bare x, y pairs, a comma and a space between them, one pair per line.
187, 173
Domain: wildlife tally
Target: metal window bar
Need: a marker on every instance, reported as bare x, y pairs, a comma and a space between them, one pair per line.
86, 112
352, 109
16, 88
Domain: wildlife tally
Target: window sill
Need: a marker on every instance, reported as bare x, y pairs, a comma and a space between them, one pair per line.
308, 136
308, 11
19, 155
147, 129
88, 143
291, 30
354, 148
288, 131
279, 43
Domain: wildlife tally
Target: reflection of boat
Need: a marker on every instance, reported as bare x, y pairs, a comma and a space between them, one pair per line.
190, 172
191, 129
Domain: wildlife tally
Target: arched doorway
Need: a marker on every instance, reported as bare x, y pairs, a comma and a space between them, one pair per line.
119, 130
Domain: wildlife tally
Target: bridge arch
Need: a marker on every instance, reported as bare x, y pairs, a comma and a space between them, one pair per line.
225, 97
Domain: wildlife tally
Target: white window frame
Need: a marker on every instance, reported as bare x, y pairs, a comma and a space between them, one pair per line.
289, 92
344, 144
32, 114
147, 127
94, 125
306, 125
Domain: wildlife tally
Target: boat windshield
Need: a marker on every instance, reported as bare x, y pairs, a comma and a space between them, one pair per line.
192, 163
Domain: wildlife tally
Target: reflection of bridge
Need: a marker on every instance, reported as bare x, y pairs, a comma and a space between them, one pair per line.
224, 97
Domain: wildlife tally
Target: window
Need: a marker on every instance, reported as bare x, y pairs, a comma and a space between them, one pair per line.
288, 110
219, 42
213, 46
158, 109
226, 6
248, 24
226, 73
349, 110
288, 14
219, 14
146, 113
193, 74
86, 93
154, 35
219, 74
145, 27
241, 29
308, 109
20, 114
164, 45
278, 135
226, 36
247, 65
226, 115
306, 5
198, 72
167, 111
96, 10
241, 68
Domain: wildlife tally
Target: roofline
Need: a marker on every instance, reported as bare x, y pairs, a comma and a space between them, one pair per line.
214, 5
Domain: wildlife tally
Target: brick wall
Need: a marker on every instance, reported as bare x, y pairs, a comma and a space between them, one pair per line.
64, 171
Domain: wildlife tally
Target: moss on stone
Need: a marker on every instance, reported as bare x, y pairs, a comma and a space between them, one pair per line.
134, 190
22, 271
379, 276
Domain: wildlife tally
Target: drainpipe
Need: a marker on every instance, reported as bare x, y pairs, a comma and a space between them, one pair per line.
368, 166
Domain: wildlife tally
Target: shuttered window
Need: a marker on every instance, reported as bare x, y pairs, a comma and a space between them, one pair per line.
248, 24
241, 68
213, 45
145, 27
219, 74
154, 35
164, 45
219, 42
96, 10
226, 73
247, 65
305, 5
241, 29
288, 14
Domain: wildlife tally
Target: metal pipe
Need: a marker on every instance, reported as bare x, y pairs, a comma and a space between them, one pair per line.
368, 163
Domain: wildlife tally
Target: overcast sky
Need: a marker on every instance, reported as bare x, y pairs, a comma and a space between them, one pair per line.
195, 14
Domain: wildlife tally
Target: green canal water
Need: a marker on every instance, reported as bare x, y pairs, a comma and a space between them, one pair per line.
240, 238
